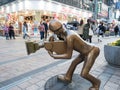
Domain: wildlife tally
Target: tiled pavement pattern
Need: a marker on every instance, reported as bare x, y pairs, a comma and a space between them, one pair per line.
18, 71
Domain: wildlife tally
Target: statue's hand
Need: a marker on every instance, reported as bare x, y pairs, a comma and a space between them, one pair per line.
51, 38
50, 53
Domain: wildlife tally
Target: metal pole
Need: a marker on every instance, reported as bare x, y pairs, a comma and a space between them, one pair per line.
95, 10
82, 4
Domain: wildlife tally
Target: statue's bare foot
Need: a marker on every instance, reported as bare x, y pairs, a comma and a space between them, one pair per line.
64, 79
96, 86
93, 88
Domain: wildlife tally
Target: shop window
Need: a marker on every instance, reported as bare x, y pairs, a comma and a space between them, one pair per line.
44, 17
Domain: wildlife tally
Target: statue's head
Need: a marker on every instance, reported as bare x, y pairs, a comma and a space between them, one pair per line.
55, 25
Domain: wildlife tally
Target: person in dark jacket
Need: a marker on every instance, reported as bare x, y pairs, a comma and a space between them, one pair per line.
86, 28
46, 29
116, 29
101, 31
11, 31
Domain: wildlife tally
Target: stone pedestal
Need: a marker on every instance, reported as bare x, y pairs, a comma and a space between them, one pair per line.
78, 83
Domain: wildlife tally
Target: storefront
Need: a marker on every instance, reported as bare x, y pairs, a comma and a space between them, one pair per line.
33, 11
103, 13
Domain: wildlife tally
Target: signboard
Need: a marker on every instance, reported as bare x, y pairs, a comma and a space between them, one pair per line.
117, 5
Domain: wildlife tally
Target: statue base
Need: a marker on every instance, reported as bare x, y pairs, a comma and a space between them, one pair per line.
78, 83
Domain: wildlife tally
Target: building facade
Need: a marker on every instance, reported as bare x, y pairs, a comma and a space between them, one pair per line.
33, 11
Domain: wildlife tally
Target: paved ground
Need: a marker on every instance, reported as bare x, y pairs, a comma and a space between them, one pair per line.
18, 71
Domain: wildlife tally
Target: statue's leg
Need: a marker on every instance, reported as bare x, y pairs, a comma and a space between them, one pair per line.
69, 74
89, 61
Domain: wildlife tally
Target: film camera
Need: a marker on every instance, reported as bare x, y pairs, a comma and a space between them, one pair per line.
58, 47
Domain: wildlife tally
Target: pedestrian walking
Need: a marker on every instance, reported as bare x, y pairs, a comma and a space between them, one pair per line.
80, 28
41, 29
116, 30
119, 28
25, 31
90, 34
86, 30
101, 30
11, 31
6, 31
46, 28
94, 27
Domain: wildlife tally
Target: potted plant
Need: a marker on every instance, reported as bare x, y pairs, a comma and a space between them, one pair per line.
112, 53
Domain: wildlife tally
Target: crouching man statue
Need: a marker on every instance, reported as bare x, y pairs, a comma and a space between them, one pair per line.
88, 54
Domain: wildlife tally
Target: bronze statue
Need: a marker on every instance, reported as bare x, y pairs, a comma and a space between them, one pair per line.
88, 54
64, 49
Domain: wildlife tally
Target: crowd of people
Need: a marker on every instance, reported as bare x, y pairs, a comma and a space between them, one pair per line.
9, 31
27, 30
85, 29
41, 28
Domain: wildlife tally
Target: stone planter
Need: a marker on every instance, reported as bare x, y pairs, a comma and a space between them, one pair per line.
112, 55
